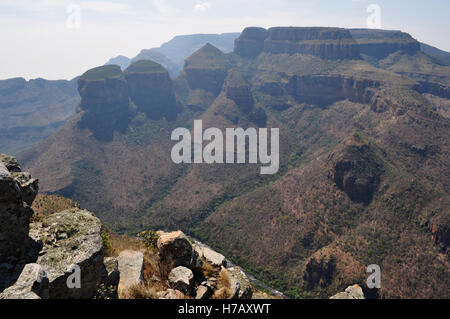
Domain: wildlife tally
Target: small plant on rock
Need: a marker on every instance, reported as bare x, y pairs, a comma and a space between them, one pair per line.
150, 239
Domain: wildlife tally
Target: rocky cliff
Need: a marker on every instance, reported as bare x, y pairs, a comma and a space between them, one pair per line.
38, 256
327, 89
109, 98
251, 42
381, 43
206, 69
238, 90
17, 192
104, 101
326, 43
151, 89
356, 168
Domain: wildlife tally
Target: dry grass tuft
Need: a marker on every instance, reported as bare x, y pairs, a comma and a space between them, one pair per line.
223, 286
139, 291
153, 266
209, 270
222, 293
124, 242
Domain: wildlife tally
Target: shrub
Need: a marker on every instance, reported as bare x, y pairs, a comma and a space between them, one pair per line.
108, 248
150, 239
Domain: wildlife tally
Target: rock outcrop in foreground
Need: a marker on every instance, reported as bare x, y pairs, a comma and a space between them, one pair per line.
70, 239
200, 272
62, 256
42, 259
110, 97
17, 192
131, 268
351, 292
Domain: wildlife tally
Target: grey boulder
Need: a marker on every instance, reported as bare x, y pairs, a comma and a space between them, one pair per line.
72, 249
32, 284
351, 292
241, 287
181, 278
131, 268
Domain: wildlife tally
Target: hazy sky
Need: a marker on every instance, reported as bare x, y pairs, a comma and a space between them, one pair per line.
39, 38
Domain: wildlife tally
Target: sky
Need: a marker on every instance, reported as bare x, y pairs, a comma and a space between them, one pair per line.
61, 39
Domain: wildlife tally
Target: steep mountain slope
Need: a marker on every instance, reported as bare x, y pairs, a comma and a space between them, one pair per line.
363, 175
400, 53
440, 56
32, 110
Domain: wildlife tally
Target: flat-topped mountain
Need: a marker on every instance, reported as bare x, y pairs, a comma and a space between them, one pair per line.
363, 160
328, 43
380, 43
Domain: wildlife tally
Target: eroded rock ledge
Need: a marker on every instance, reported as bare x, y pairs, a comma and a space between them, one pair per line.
326, 43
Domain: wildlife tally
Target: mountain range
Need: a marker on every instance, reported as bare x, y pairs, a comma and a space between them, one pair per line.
364, 124
42, 106
62, 96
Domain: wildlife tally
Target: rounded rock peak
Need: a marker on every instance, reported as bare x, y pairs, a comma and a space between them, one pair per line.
145, 66
102, 72
256, 33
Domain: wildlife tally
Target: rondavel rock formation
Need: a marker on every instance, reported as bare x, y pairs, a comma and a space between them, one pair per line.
206, 69
40, 257
151, 89
105, 104
109, 97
